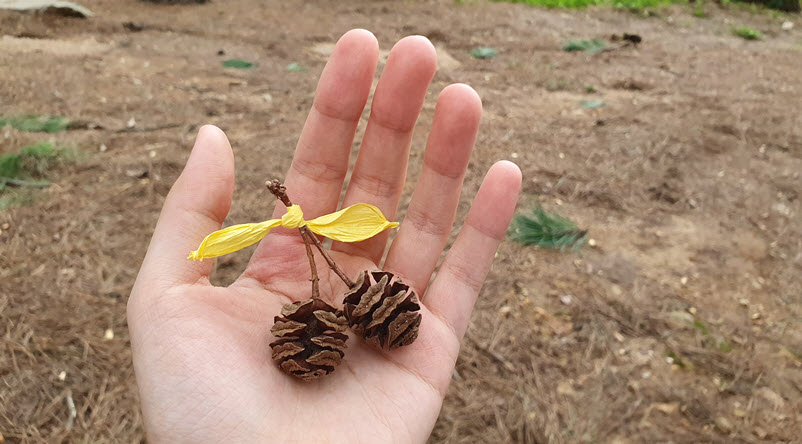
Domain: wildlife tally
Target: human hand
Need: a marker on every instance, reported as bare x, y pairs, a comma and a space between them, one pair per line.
201, 354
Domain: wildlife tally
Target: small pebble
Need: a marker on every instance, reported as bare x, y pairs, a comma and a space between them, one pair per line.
755, 316
646, 375
684, 280
618, 337
5, 226
109, 335
62, 376
724, 424
744, 302
514, 155
787, 26
566, 299
103, 148
592, 242
131, 123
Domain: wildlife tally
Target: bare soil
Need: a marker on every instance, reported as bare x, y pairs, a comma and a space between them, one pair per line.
683, 323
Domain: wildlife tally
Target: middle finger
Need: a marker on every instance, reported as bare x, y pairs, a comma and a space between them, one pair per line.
381, 166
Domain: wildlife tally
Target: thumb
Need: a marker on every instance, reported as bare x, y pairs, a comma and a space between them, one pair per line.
196, 206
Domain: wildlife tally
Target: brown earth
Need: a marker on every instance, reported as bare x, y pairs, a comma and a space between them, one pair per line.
682, 324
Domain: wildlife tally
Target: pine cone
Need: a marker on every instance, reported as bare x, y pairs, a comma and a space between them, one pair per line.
309, 339
382, 310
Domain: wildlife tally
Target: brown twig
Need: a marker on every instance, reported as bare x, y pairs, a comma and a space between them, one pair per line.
311, 256
280, 192
491, 354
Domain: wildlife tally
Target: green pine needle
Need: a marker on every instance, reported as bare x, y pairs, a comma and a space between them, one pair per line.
547, 230
33, 123
24, 167
591, 46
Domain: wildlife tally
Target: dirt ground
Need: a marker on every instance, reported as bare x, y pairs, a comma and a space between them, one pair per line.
683, 323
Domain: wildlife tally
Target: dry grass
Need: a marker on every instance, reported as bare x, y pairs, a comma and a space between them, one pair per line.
687, 180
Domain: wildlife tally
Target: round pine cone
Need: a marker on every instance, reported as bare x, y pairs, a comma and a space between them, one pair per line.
382, 310
309, 339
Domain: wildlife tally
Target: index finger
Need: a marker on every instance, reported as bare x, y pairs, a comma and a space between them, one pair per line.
318, 169
315, 178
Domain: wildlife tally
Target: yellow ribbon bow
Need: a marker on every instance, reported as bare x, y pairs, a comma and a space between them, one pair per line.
352, 224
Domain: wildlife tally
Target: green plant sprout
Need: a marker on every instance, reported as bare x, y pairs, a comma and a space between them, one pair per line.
747, 33
547, 230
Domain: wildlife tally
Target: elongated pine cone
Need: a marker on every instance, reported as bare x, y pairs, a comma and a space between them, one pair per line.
382, 310
310, 339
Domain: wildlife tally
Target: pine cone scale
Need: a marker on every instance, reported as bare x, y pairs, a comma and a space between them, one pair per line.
284, 328
404, 329
325, 358
370, 298
292, 366
334, 340
331, 320
281, 351
387, 308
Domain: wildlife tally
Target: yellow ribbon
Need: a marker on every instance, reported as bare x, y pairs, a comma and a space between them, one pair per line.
352, 224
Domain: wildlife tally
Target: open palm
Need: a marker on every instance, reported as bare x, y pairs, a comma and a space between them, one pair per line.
201, 354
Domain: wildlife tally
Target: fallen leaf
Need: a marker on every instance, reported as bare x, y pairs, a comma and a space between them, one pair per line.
724, 424
591, 104
565, 388
484, 52
772, 397
295, 67
669, 408
237, 64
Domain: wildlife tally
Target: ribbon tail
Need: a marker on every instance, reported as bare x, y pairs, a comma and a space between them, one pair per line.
352, 224
233, 238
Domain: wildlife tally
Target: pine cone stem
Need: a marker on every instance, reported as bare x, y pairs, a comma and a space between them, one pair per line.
328, 258
313, 267
278, 190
